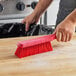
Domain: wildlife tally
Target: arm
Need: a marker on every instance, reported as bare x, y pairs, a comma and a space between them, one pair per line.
72, 17
41, 6
66, 28
35, 15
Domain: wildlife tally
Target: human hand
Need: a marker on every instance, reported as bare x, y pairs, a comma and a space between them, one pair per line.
30, 19
64, 31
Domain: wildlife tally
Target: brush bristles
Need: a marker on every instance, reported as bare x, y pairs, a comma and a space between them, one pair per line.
32, 50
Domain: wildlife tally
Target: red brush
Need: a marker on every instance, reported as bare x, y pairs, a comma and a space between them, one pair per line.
35, 46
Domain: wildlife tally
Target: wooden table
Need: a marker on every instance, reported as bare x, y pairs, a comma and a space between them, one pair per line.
60, 62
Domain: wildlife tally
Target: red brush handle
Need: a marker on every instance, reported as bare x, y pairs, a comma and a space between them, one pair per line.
37, 41
51, 37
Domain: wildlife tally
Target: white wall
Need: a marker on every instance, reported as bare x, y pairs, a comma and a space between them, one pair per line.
52, 12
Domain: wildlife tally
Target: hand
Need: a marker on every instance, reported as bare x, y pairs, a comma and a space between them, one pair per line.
32, 18
65, 30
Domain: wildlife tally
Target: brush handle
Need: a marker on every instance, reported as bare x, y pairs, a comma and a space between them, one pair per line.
51, 37
36, 41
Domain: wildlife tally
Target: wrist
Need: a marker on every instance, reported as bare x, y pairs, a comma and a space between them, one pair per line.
36, 15
72, 18
70, 22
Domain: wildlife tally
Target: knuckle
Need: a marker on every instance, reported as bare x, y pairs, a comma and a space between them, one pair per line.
62, 29
66, 30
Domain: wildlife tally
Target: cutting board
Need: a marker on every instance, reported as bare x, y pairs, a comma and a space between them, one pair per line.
59, 62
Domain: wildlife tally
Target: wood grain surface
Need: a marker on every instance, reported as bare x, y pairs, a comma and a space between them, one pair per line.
60, 62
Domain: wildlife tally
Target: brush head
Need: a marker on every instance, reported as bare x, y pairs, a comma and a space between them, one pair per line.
35, 46
32, 50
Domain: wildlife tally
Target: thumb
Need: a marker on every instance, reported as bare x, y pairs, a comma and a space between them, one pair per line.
27, 27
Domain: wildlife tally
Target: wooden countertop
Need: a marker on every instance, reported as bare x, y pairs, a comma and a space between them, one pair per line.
60, 62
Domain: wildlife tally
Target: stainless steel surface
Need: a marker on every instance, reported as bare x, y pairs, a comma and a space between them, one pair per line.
9, 9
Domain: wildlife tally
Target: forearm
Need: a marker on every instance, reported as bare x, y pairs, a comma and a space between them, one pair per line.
41, 7
72, 17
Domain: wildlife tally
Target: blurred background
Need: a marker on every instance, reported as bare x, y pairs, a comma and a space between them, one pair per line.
12, 12
18, 9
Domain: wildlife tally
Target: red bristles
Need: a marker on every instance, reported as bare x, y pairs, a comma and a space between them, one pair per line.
34, 46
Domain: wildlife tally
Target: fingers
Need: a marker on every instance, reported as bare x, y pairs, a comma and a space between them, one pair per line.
67, 37
27, 24
58, 36
30, 19
70, 37
27, 27
63, 36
